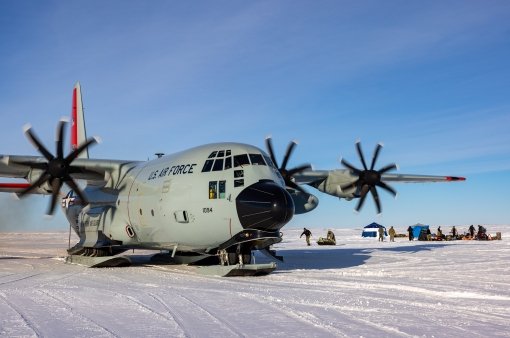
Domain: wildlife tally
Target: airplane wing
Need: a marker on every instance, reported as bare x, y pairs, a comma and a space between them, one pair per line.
344, 176
98, 172
350, 184
347, 183
405, 178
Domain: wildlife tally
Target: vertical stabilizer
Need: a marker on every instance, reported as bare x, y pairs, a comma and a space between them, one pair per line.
78, 132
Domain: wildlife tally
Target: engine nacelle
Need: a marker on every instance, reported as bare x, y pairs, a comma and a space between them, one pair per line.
303, 202
335, 180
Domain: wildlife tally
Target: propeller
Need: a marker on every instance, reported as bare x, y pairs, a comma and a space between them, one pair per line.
287, 174
369, 179
58, 169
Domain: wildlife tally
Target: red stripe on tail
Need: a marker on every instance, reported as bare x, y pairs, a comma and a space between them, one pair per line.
14, 185
74, 121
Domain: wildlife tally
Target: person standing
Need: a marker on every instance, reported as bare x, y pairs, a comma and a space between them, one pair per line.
454, 232
472, 231
307, 234
381, 234
392, 233
410, 231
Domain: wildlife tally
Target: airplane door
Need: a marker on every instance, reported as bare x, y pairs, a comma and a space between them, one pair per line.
164, 199
142, 200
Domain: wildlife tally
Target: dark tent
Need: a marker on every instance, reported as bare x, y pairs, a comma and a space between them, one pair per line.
372, 230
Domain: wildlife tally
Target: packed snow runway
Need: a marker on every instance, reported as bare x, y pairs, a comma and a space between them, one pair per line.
358, 288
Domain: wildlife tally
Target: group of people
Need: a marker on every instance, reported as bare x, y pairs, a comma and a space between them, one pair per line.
427, 235
481, 234
392, 232
331, 236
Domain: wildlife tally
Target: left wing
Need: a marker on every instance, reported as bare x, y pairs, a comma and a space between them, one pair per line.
352, 182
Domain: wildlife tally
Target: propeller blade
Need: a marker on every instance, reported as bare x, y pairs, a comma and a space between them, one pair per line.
369, 179
387, 168
295, 186
31, 164
58, 169
56, 184
364, 191
289, 151
351, 167
375, 195
376, 155
60, 138
72, 156
72, 184
299, 169
269, 146
387, 188
360, 154
37, 144
43, 178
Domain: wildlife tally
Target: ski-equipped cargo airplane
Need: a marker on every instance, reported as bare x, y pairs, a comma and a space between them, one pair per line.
210, 205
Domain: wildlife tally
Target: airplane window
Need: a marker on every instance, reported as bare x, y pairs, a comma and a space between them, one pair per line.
228, 163
221, 153
269, 162
207, 166
228, 152
213, 154
257, 159
238, 173
221, 188
218, 165
213, 189
240, 160
238, 183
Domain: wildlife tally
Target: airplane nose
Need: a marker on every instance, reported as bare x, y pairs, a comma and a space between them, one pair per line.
264, 206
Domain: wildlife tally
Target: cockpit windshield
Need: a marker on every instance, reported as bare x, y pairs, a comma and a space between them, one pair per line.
220, 160
240, 160
257, 159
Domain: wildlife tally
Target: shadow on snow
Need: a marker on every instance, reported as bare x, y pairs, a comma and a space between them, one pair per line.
336, 258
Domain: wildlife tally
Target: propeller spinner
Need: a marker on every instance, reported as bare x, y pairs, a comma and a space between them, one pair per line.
58, 169
287, 174
369, 179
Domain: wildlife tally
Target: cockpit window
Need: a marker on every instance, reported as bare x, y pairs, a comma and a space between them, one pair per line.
228, 163
240, 160
257, 159
207, 166
218, 165
268, 161
222, 156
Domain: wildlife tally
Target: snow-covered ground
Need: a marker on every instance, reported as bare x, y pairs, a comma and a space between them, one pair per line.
358, 288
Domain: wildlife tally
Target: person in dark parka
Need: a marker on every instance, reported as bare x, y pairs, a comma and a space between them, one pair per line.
410, 231
307, 234
472, 231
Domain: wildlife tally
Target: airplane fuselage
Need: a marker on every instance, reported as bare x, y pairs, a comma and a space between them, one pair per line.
193, 200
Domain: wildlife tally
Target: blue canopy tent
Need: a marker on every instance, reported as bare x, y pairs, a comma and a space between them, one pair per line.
372, 230
418, 228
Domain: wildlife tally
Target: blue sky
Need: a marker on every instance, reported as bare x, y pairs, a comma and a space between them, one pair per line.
431, 80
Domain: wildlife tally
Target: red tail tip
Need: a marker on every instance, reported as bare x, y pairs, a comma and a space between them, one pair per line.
454, 178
